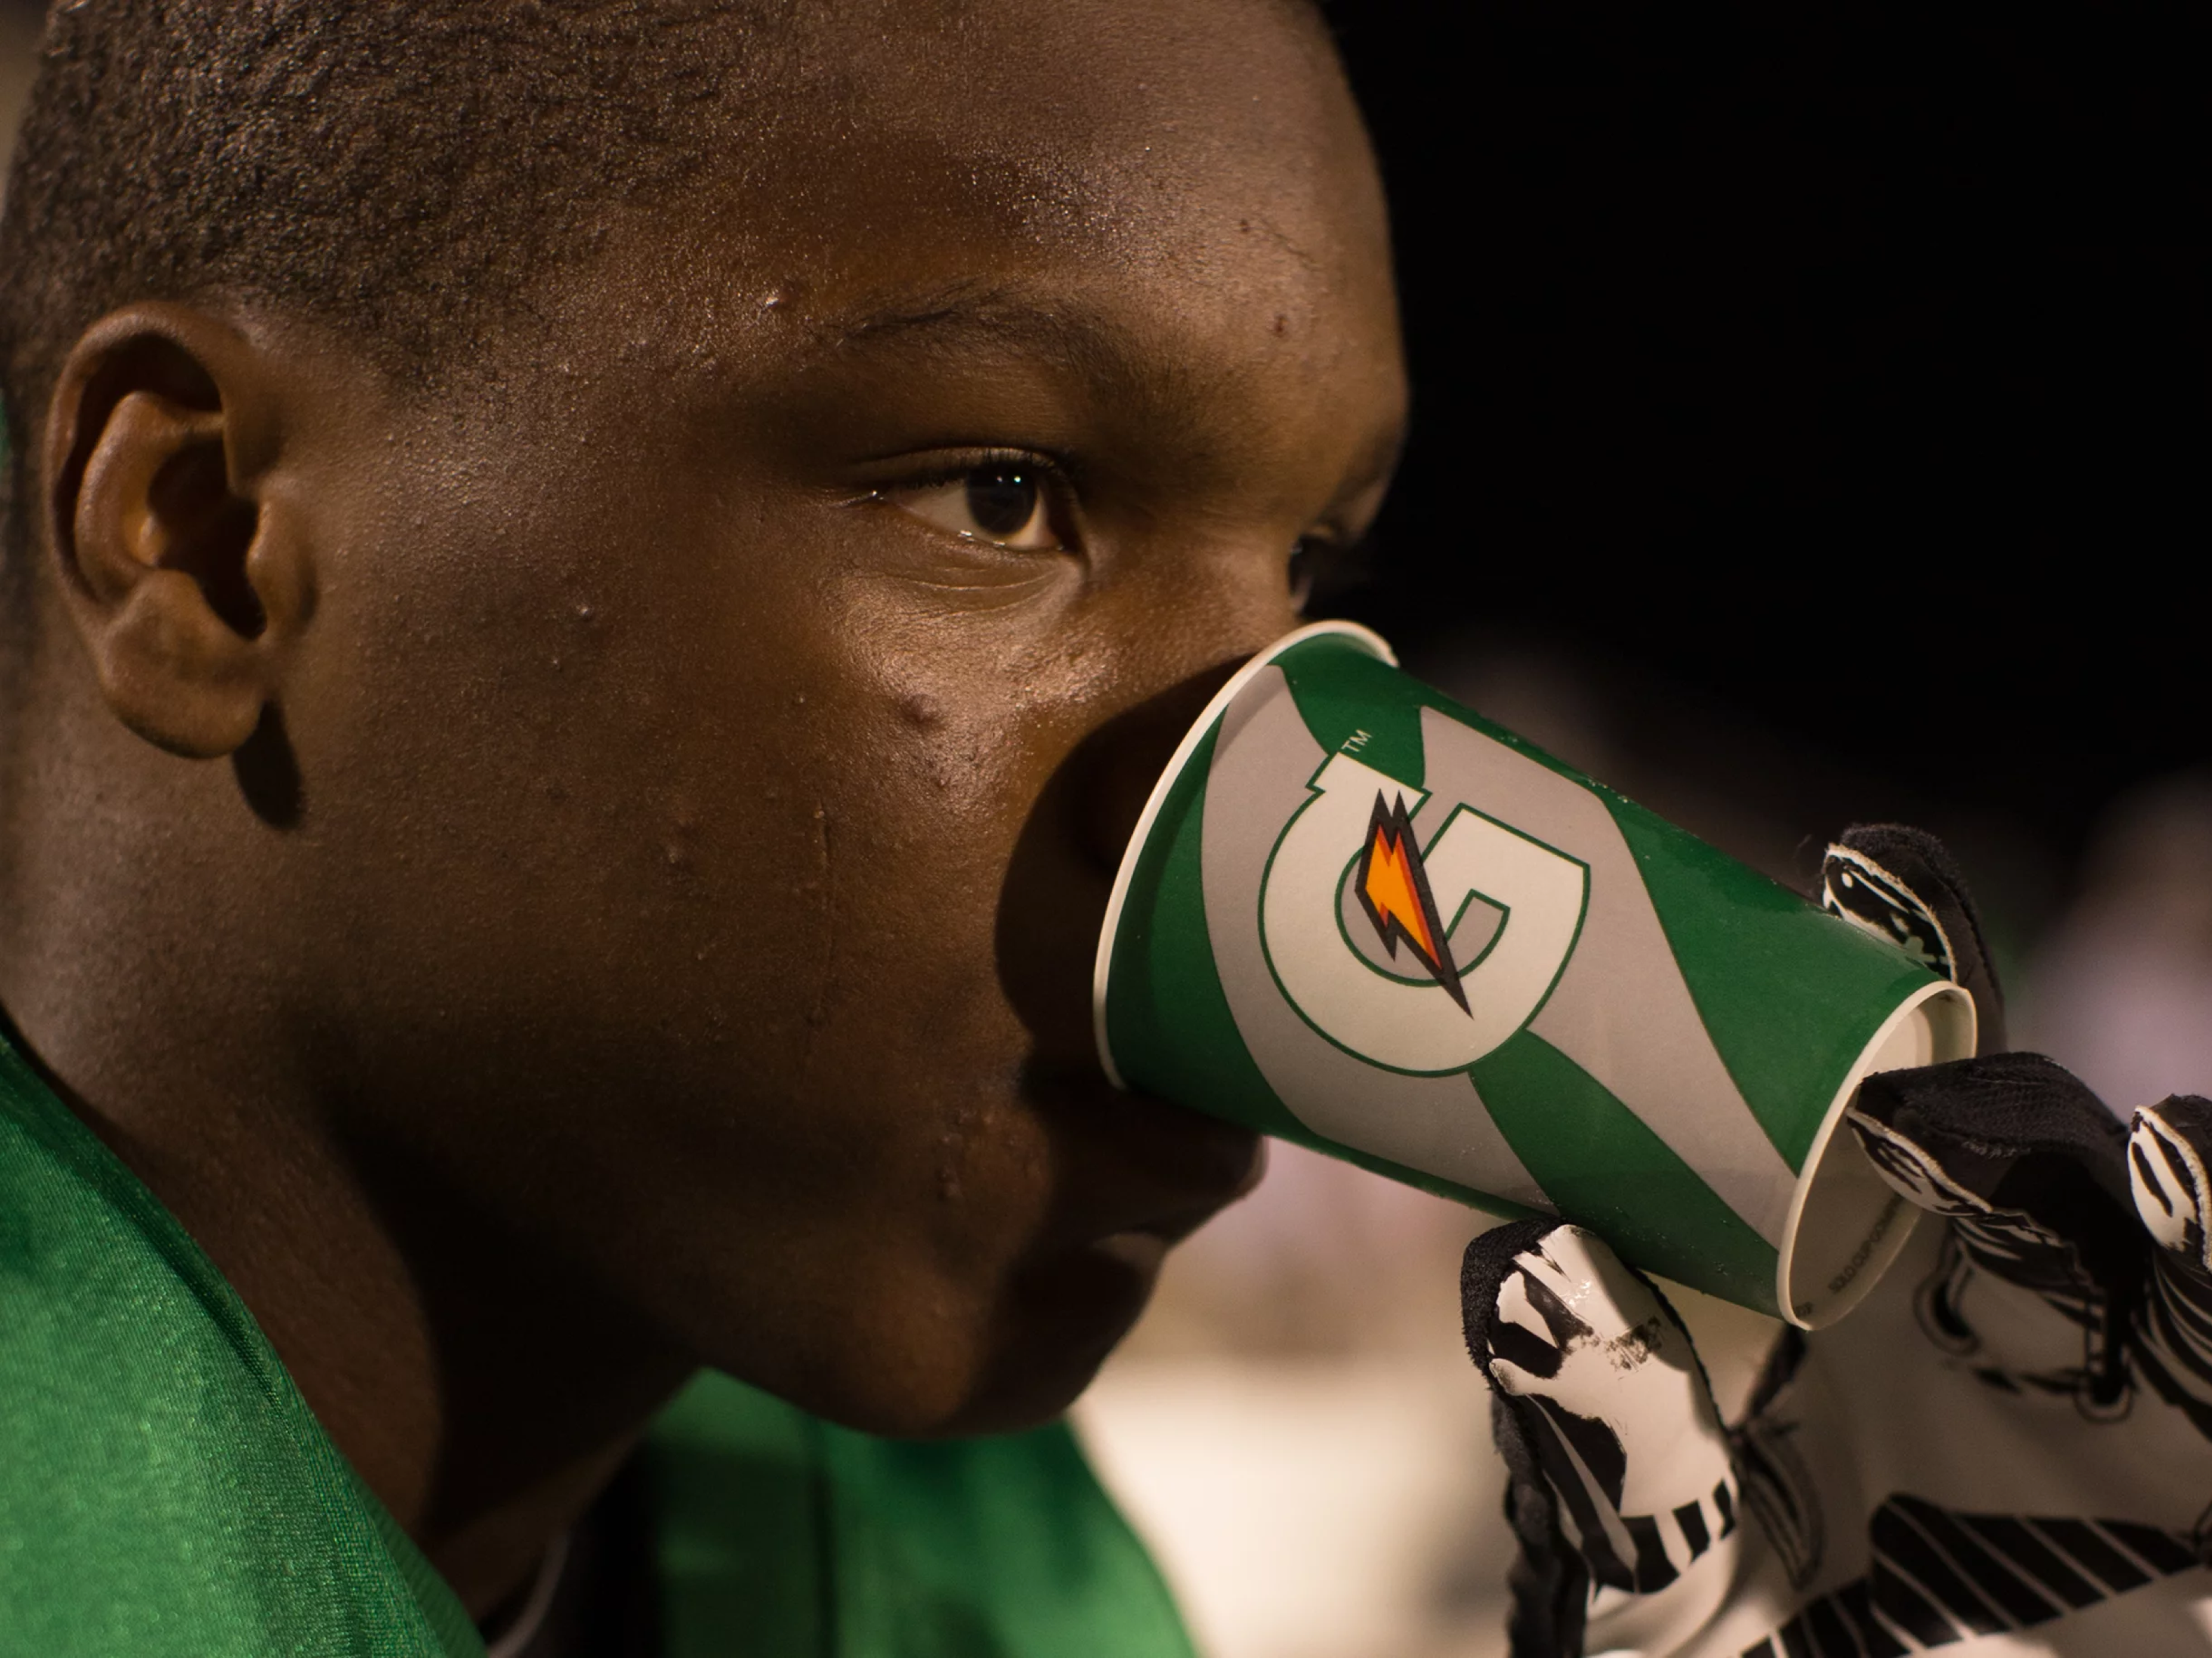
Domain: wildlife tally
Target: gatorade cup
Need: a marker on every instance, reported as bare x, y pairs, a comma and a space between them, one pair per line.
1358, 916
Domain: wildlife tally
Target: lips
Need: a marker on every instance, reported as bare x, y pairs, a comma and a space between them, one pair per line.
1138, 1165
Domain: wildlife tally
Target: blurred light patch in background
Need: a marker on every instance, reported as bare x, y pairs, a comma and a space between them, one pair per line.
1296, 1432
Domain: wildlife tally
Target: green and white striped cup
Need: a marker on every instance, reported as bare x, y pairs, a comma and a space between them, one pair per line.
1358, 916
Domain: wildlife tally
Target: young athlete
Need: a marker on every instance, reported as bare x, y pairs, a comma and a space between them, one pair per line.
592, 588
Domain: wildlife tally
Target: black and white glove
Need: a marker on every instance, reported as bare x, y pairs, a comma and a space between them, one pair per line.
2007, 1449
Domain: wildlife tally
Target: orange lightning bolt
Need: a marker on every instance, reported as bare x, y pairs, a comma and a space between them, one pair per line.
1393, 888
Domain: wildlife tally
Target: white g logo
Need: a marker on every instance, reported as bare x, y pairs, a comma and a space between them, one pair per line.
1445, 1022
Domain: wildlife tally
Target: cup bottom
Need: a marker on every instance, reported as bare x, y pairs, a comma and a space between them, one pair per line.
1846, 1225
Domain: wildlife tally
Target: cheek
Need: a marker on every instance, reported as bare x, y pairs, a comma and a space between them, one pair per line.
885, 894
845, 860
916, 786
714, 882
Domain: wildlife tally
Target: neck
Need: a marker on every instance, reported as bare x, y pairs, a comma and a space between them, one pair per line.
484, 1394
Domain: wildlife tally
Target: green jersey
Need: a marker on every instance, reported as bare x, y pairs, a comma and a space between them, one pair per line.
164, 1491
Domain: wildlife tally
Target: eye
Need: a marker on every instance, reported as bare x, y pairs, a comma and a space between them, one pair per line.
1007, 504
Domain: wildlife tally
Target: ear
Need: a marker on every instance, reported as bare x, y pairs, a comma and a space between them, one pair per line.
187, 584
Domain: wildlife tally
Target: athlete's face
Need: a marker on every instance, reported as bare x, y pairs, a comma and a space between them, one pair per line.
750, 678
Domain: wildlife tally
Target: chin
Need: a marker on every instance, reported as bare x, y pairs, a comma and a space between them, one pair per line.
1062, 1321
1016, 1359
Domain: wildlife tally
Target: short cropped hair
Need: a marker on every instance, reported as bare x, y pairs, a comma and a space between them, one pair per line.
403, 169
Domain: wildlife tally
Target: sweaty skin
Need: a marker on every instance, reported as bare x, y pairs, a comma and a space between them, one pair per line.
589, 867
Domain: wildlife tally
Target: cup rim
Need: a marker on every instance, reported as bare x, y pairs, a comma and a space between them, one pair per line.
1828, 1140
1125, 874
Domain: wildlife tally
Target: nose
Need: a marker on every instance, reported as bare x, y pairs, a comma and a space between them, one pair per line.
1163, 646
1057, 882
1116, 767
1189, 635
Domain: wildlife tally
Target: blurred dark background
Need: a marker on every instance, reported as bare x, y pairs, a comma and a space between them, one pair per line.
1842, 371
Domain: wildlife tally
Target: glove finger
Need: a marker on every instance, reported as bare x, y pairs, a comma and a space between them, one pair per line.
2032, 1170
2005, 1131
1601, 1397
1901, 884
2168, 1151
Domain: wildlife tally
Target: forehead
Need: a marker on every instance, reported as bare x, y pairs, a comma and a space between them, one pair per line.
1151, 175
1123, 122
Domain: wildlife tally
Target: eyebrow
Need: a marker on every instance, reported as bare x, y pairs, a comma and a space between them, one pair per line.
1009, 316
976, 311
964, 303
